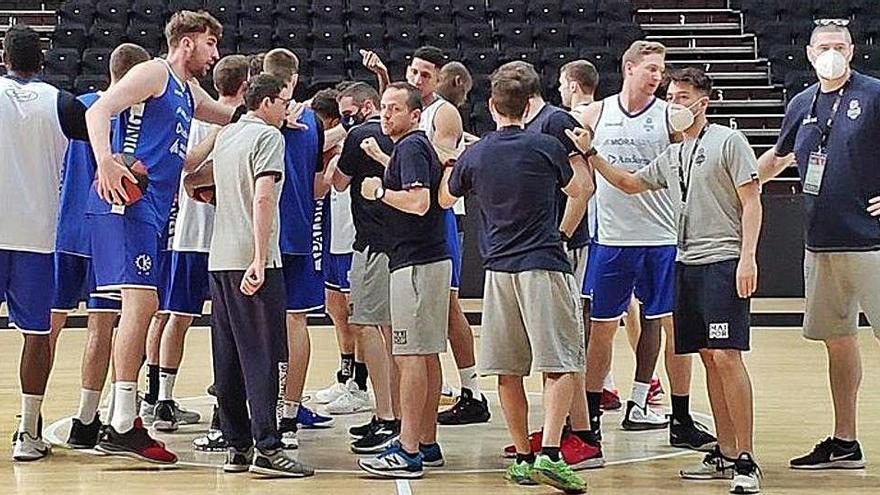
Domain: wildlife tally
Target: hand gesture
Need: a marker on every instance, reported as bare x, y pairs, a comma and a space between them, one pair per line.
253, 278
746, 277
372, 62
582, 138
372, 149
294, 112
369, 187
108, 180
874, 206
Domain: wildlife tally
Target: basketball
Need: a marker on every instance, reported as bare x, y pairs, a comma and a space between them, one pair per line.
139, 170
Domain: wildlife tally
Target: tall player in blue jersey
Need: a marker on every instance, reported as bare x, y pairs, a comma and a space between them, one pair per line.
300, 247
155, 104
74, 276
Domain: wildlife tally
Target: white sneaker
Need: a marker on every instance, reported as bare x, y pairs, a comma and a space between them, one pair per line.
714, 466
353, 401
330, 393
747, 478
642, 418
28, 448
147, 413
290, 440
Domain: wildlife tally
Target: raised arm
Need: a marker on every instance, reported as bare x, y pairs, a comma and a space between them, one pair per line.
208, 109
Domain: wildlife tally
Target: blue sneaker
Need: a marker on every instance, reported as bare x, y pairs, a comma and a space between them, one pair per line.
432, 456
308, 419
394, 463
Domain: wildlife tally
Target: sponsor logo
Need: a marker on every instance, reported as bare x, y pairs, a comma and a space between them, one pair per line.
701, 157
399, 337
854, 110
718, 331
21, 95
133, 128
648, 125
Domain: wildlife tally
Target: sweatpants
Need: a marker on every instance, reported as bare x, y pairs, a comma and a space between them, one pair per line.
248, 339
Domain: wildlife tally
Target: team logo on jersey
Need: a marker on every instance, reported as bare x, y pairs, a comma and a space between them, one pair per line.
21, 95
718, 331
143, 263
854, 110
399, 337
649, 124
701, 157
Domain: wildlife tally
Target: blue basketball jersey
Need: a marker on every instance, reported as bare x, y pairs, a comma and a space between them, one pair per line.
156, 132
297, 206
77, 177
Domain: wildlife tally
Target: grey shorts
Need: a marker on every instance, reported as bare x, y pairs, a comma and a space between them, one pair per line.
531, 319
370, 289
578, 259
837, 284
420, 308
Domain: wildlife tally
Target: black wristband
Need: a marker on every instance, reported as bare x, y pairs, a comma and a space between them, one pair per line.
564, 236
237, 115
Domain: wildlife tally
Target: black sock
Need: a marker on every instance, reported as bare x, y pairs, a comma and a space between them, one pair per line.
594, 399
585, 435
346, 368
152, 394
530, 458
360, 375
551, 452
681, 408
846, 444
215, 418
426, 446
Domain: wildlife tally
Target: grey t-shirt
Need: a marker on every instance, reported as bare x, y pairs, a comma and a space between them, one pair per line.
710, 218
243, 152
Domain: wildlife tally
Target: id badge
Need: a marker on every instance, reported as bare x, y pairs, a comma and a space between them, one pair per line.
815, 172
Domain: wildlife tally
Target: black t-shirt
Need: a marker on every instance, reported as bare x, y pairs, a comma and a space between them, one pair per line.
368, 216
553, 121
517, 198
415, 239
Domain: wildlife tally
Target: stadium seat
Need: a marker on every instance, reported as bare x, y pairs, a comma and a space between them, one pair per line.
550, 34
112, 12
550, 11
255, 38
401, 11
609, 84
474, 35
439, 35
370, 36
867, 58
77, 12
89, 83
364, 12
401, 35
61, 61
194, 5
229, 42
104, 35
435, 12
615, 10
786, 58
622, 34
257, 12
797, 81
328, 64
69, 36
580, 11
327, 35
605, 59
841, 9
509, 11
226, 11
514, 35
467, 11
481, 60
292, 11
152, 11
866, 8
354, 64
292, 35
60, 81
96, 61
554, 58
397, 62
146, 35
585, 34
530, 55
775, 33
327, 12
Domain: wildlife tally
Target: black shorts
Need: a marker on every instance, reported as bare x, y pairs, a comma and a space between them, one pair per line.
708, 312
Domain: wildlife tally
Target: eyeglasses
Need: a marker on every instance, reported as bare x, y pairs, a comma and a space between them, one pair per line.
831, 22
286, 101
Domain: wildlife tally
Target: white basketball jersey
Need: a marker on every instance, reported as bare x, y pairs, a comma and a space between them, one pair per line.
195, 220
33, 146
631, 142
426, 123
341, 224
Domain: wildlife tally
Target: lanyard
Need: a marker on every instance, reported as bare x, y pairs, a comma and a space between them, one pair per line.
812, 117
685, 181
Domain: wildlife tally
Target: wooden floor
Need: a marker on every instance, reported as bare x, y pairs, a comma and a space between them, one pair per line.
792, 412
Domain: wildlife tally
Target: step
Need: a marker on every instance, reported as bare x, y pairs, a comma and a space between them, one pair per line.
710, 50
36, 27
720, 28
672, 4
747, 121
697, 16
726, 65
701, 40
739, 76
754, 133
749, 103
762, 92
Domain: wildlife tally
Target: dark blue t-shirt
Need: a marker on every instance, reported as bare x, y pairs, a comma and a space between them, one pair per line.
836, 219
517, 196
415, 239
554, 121
368, 216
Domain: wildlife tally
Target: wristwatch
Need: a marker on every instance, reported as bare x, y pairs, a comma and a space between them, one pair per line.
379, 194
591, 152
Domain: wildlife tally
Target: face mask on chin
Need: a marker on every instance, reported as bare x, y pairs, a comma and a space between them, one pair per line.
830, 65
681, 118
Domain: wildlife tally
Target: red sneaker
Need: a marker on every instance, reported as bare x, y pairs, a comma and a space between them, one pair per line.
535, 439
579, 454
135, 443
610, 400
655, 393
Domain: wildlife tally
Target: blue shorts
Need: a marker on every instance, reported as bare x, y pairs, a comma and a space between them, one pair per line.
335, 268
125, 253
75, 282
615, 272
304, 284
187, 287
24, 280
453, 243
165, 274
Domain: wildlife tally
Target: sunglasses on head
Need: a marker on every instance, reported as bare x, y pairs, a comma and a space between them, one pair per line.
831, 22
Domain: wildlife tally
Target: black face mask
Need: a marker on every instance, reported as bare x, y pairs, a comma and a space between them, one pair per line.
351, 120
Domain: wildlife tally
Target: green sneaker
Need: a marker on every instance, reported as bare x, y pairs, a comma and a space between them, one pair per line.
558, 475
520, 473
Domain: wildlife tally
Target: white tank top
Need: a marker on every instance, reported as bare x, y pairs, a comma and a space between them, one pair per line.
426, 123
341, 223
631, 142
195, 220
33, 146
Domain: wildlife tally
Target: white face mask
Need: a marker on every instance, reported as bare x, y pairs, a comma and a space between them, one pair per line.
830, 64
680, 117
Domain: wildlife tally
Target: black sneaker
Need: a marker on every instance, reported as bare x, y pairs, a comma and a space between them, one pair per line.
238, 461
466, 411
135, 443
362, 430
165, 418
84, 436
830, 454
287, 428
690, 435
379, 438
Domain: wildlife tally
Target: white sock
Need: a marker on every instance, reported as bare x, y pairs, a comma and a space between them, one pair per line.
446, 389
469, 381
608, 384
291, 409
88, 405
639, 394
30, 413
166, 384
111, 401
125, 408
655, 378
